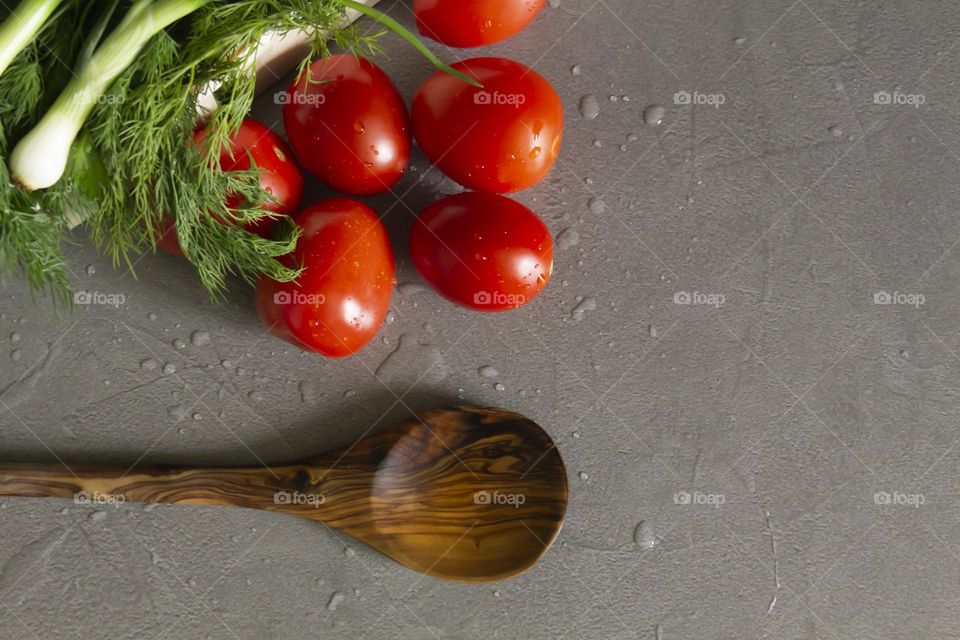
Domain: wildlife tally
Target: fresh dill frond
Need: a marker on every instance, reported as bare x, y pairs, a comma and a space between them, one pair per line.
134, 165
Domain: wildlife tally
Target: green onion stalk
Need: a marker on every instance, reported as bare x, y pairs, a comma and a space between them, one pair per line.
40, 158
22, 26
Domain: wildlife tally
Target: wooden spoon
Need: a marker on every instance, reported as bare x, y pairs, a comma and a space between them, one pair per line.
466, 493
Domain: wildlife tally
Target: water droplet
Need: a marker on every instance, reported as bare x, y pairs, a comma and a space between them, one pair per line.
349, 393
91, 269
583, 475
535, 153
575, 70
151, 316
410, 288
589, 107
359, 127
499, 387
643, 536
488, 371
652, 330
428, 358
567, 238
199, 338
836, 131
169, 368
14, 337
653, 115
587, 304
177, 412
596, 206
148, 365
739, 41
308, 391
335, 601
179, 344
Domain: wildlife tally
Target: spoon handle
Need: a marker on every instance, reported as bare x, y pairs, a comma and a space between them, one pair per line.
87, 484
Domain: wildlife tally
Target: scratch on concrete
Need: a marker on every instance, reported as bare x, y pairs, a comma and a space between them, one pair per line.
776, 562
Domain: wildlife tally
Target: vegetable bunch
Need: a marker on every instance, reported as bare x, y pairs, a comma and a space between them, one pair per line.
99, 101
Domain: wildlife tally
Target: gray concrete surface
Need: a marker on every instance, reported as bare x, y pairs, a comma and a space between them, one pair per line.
781, 465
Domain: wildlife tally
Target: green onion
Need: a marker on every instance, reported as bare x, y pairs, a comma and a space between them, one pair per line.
21, 27
39, 160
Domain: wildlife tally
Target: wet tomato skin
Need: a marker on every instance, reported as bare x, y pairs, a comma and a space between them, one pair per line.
501, 138
348, 125
279, 176
482, 251
340, 301
474, 23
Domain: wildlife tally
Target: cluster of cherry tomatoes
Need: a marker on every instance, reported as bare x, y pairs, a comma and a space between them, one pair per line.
349, 127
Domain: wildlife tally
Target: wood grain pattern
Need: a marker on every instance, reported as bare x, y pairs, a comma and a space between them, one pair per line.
466, 493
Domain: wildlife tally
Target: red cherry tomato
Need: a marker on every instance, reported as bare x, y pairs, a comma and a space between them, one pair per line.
474, 23
502, 138
482, 251
279, 176
341, 300
348, 125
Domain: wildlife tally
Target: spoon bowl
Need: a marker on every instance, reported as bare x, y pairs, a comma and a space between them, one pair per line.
469, 495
